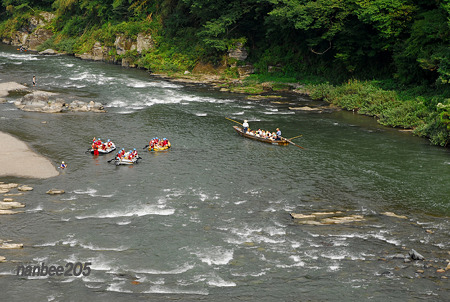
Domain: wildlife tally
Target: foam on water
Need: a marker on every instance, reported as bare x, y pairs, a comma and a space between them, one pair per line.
117, 287
158, 289
72, 242
217, 281
130, 210
182, 269
20, 57
214, 255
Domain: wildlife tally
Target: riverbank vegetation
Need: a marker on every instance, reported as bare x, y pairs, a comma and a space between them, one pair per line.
385, 58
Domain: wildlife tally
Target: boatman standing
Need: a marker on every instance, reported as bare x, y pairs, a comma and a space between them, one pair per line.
245, 126
278, 134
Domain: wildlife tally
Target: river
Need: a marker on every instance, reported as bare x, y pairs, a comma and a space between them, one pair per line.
210, 219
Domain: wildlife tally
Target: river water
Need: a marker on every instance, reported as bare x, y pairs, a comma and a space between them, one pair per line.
210, 219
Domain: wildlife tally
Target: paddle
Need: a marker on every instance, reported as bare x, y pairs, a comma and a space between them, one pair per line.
233, 121
296, 136
292, 143
112, 159
145, 146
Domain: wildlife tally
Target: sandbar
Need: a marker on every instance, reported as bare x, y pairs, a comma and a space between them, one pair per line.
19, 160
5, 88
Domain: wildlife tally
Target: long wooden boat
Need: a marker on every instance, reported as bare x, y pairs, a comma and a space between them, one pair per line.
281, 142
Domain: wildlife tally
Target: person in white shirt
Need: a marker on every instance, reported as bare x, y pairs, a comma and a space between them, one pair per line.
245, 126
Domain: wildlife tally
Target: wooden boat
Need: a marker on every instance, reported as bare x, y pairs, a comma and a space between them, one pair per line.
282, 142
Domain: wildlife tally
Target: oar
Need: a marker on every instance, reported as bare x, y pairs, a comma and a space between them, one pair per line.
293, 143
112, 159
296, 136
145, 146
233, 121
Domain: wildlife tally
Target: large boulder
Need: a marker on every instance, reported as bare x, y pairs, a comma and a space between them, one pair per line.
144, 42
40, 101
97, 53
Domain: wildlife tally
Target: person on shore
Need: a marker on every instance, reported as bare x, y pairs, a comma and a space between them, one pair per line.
245, 126
278, 133
63, 165
34, 81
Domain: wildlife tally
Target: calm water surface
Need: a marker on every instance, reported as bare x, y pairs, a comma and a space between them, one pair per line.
210, 219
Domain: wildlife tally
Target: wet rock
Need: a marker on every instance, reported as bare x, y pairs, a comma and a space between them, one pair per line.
391, 214
9, 212
40, 101
302, 216
3, 191
441, 270
340, 220
448, 267
14, 194
79, 106
25, 188
11, 245
49, 51
398, 256
55, 191
11, 205
2, 259
9, 186
8, 199
415, 255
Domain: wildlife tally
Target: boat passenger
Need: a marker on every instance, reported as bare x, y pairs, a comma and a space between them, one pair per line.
245, 126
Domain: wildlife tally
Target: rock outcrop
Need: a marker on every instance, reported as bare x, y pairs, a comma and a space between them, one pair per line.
97, 53
41, 101
238, 52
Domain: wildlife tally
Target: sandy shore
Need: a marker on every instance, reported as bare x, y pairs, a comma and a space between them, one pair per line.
18, 160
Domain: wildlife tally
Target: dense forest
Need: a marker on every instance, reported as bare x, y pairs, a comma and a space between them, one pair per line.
355, 52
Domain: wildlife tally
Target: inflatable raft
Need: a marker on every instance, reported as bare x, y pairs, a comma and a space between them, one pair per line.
104, 151
126, 161
159, 148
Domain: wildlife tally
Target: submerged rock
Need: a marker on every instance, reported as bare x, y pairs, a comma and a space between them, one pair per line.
11, 205
25, 188
9, 186
391, 214
9, 212
11, 245
54, 192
